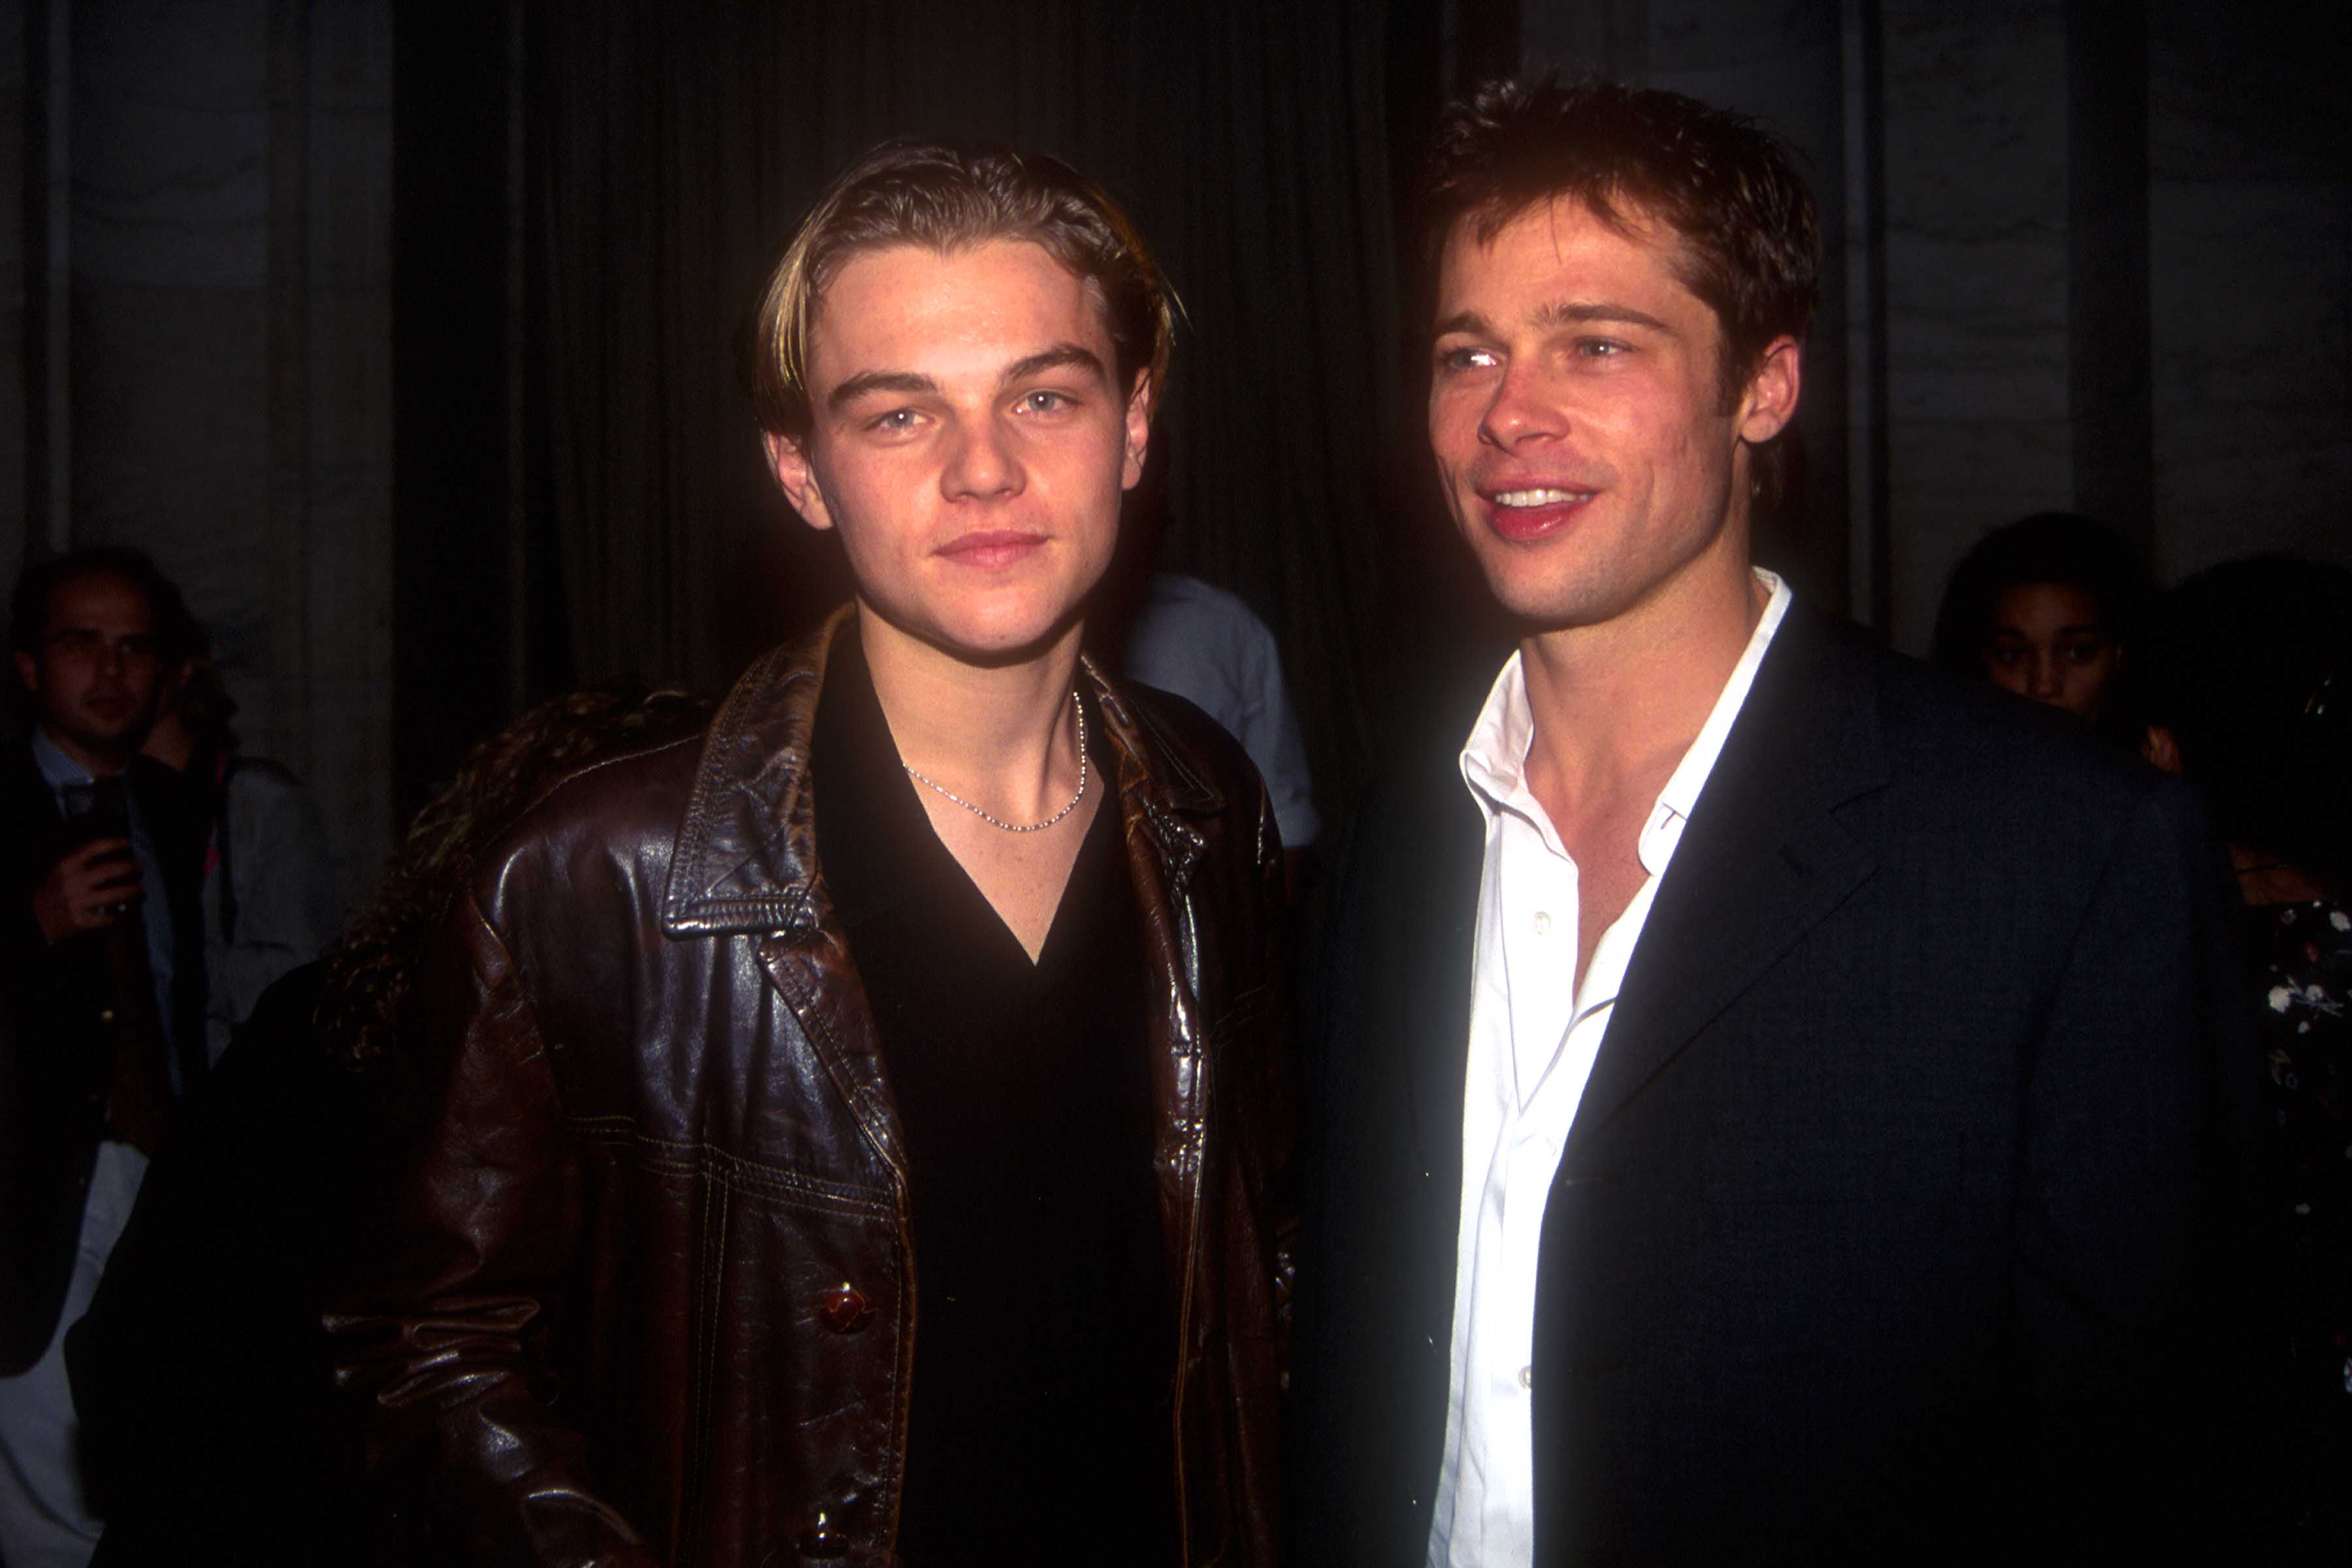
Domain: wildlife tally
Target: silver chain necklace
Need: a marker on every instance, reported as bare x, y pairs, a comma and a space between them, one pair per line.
938, 789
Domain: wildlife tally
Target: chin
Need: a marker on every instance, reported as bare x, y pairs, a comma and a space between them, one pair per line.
1553, 601
1000, 638
116, 741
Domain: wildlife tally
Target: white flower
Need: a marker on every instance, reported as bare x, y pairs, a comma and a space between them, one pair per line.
2339, 919
2281, 996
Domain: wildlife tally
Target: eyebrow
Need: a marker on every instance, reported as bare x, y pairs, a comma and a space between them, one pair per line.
867, 383
1561, 313
1061, 356
912, 383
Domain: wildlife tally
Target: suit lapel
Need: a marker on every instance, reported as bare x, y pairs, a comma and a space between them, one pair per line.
31, 811
1436, 974
1762, 861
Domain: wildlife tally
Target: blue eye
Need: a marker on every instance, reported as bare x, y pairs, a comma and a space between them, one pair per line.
1466, 358
1045, 402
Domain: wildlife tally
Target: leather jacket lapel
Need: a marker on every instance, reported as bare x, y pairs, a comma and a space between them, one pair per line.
1156, 795
745, 862
746, 852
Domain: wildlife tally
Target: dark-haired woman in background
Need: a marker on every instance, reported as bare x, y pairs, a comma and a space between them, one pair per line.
2044, 606
2243, 687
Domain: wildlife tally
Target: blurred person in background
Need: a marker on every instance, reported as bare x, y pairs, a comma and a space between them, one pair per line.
102, 984
2047, 608
2243, 687
270, 886
1208, 648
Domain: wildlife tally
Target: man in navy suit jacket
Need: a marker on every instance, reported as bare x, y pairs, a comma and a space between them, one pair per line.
1774, 1105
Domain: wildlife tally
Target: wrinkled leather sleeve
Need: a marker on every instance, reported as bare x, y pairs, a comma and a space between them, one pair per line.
442, 1343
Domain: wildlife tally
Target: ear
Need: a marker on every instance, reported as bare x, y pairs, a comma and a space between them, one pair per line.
788, 461
2161, 748
28, 671
1770, 399
1138, 432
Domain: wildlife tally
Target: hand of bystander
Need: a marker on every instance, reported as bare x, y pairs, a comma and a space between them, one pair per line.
88, 889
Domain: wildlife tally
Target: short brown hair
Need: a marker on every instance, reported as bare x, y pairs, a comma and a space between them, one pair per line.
1751, 242
945, 198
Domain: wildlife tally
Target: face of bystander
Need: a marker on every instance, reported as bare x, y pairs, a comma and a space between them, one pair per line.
969, 443
1578, 414
2050, 642
96, 678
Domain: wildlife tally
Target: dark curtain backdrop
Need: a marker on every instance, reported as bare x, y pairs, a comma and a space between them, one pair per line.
666, 151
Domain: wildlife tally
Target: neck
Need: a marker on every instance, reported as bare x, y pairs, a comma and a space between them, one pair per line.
101, 764
1003, 736
1627, 696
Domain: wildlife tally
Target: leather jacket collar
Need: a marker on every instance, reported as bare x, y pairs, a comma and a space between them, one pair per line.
745, 854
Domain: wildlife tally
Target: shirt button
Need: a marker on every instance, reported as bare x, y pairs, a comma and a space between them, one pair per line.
1543, 924
1526, 1377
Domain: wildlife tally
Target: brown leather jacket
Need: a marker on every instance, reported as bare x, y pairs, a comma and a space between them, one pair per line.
647, 1292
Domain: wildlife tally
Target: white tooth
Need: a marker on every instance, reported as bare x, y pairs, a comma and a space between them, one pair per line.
1538, 497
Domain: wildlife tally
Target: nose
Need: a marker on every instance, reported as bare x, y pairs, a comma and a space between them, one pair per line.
1518, 410
2044, 682
984, 465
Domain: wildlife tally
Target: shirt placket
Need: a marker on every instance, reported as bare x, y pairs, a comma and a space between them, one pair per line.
1539, 937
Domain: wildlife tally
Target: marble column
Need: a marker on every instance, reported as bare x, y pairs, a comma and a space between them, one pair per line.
16, 497
2251, 275
1974, 224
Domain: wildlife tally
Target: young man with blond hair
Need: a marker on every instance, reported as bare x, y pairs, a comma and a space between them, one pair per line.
848, 1132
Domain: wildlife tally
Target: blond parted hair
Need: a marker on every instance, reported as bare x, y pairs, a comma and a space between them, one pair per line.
946, 199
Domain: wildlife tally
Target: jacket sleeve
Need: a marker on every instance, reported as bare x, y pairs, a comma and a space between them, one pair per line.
442, 1338
2132, 1192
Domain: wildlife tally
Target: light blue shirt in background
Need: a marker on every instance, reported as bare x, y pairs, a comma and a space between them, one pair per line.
1203, 644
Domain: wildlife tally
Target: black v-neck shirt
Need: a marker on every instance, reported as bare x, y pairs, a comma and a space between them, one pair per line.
1044, 1341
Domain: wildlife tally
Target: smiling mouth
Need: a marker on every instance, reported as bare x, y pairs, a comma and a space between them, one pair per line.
1533, 512
1523, 498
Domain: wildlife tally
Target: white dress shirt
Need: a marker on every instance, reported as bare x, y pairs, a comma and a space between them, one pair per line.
1533, 1036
